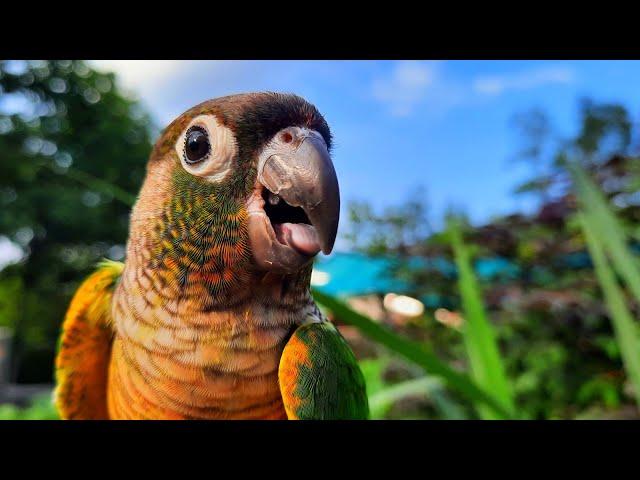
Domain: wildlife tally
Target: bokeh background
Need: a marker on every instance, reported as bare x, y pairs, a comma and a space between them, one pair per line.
442, 165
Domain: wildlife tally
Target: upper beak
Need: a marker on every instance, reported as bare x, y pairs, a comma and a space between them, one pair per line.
297, 167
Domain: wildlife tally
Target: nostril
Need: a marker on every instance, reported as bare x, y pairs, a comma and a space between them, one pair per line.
286, 137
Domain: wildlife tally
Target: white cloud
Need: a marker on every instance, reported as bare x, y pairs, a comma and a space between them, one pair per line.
497, 84
406, 87
136, 75
169, 87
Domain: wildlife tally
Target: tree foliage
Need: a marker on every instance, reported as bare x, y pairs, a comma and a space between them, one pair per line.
62, 126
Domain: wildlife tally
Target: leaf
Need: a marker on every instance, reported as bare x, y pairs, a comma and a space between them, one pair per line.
607, 227
383, 400
625, 329
486, 363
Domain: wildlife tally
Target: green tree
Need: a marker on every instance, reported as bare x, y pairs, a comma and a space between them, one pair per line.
534, 128
396, 229
66, 131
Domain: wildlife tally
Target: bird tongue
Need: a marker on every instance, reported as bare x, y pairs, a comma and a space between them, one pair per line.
300, 236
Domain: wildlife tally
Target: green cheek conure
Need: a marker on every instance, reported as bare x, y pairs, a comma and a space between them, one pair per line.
210, 316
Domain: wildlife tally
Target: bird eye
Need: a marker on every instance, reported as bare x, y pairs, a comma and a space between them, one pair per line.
196, 145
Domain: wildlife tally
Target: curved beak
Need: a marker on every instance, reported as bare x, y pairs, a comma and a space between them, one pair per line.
297, 167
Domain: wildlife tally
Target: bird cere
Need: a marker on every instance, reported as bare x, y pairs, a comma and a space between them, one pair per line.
210, 315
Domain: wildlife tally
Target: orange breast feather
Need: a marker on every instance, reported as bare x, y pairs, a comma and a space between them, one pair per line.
85, 346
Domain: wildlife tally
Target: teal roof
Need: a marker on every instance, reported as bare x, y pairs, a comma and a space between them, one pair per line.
352, 274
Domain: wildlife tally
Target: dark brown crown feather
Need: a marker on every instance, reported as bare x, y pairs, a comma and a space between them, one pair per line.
254, 118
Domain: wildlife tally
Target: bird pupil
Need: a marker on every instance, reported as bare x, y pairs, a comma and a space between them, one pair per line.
197, 146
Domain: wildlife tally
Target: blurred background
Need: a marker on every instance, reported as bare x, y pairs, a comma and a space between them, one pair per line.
464, 277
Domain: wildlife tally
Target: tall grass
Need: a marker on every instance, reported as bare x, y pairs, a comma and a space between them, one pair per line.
381, 401
488, 388
625, 329
417, 354
485, 361
608, 228
606, 239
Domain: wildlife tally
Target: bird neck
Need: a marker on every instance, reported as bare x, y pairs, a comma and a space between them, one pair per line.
189, 242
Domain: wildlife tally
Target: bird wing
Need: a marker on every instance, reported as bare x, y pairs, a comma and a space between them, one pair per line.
84, 347
319, 376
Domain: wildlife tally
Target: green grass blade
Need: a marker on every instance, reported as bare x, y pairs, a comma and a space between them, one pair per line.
431, 387
625, 329
413, 352
381, 402
607, 227
485, 361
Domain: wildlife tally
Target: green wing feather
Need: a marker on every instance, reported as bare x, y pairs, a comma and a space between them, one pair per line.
320, 378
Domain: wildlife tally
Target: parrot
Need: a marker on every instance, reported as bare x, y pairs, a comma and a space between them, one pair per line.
210, 315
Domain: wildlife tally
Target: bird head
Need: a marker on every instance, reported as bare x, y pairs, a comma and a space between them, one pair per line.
239, 185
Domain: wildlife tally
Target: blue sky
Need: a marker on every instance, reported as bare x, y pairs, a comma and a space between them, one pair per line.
443, 125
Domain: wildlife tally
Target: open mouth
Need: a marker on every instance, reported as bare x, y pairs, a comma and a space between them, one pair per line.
290, 224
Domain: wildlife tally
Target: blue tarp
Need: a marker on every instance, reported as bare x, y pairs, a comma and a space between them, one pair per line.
352, 274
